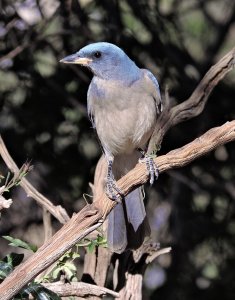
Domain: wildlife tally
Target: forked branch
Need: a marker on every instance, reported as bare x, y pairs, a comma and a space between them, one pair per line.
195, 104
92, 216
57, 211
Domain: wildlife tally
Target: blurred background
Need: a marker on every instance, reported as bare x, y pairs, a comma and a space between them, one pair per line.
43, 118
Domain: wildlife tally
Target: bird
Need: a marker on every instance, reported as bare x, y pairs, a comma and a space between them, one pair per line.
123, 103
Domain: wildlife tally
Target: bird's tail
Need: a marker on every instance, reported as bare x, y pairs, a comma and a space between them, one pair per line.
127, 223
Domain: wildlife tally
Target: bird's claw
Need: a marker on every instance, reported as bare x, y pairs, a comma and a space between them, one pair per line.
112, 190
151, 167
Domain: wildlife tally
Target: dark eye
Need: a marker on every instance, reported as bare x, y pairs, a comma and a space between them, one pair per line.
97, 54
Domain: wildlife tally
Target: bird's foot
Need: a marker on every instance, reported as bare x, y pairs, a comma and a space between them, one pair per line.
112, 190
152, 168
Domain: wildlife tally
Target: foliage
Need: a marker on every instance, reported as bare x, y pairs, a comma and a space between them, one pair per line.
10, 182
19, 243
64, 268
34, 289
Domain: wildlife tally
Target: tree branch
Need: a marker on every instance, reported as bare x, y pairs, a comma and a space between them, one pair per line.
79, 289
92, 216
57, 211
195, 104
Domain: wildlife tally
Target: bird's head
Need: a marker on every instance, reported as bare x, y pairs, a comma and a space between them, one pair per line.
105, 60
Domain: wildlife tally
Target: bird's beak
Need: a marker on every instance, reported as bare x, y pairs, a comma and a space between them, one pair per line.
76, 59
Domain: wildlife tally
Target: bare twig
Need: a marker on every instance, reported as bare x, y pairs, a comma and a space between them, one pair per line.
13, 52
92, 216
79, 289
195, 104
157, 253
57, 211
46, 216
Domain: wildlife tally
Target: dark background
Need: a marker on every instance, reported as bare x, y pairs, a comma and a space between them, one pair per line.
43, 118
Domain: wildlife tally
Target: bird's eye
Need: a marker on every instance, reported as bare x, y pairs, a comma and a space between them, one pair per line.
97, 54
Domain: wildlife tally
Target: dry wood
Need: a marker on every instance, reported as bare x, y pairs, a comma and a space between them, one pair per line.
132, 268
57, 211
195, 104
92, 216
79, 289
46, 217
169, 118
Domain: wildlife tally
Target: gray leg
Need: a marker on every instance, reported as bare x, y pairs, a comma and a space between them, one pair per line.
112, 190
150, 164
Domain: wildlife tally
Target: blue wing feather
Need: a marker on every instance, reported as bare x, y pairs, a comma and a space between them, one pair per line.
158, 98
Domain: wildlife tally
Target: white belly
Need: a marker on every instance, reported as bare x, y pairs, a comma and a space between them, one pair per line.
124, 115
124, 130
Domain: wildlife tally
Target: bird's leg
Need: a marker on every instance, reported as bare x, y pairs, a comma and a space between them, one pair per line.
152, 168
112, 190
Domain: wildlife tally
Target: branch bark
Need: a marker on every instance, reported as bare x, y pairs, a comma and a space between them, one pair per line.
79, 289
92, 216
130, 268
195, 104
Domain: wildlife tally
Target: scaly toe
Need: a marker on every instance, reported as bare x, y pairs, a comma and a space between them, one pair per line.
113, 191
151, 168
113, 194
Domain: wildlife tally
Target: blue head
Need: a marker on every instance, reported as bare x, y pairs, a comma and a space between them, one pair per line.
106, 61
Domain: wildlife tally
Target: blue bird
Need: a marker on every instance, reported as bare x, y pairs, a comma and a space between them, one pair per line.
123, 104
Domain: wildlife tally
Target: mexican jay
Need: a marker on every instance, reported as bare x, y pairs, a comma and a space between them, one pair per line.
123, 104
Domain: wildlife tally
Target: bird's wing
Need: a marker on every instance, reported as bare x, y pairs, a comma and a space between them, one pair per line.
91, 94
153, 87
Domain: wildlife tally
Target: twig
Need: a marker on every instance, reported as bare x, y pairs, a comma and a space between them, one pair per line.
91, 216
13, 52
79, 289
195, 104
171, 116
157, 253
46, 216
57, 211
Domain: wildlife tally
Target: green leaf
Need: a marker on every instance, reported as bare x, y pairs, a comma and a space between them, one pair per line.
64, 257
75, 255
101, 240
91, 247
39, 292
14, 259
56, 271
5, 269
8, 263
19, 243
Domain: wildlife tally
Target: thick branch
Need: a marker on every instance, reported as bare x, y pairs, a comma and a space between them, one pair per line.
57, 211
91, 216
175, 159
79, 289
